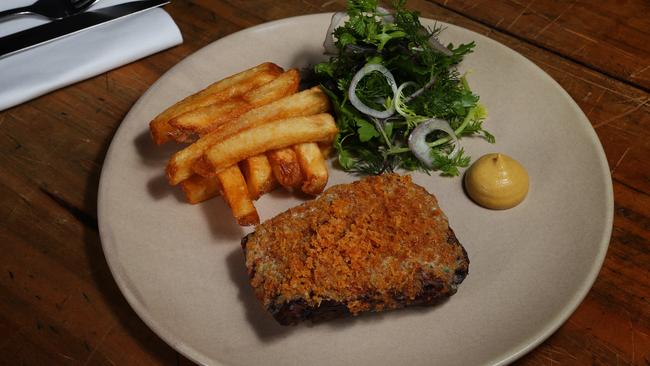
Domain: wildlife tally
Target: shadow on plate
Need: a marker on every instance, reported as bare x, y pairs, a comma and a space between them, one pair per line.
217, 213
219, 217
159, 188
285, 193
151, 154
157, 156
268, 330
305, 62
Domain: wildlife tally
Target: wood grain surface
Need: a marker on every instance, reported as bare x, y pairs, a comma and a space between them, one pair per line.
59, 304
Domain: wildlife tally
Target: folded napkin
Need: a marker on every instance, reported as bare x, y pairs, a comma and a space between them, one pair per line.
37, 71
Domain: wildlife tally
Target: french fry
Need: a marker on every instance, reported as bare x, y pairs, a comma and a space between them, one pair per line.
305, 103
236, 194
205, 119
201, 120
270, 136
233, 86
198, 189
285, 166
283, 85
259, 176
161, 131
314, 169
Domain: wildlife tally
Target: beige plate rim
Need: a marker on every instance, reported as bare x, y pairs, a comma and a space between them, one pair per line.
129, 290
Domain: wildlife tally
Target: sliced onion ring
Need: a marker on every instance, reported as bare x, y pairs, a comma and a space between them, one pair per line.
399, 98
417, 93
418, 143
328, 44
405, 100
358, 104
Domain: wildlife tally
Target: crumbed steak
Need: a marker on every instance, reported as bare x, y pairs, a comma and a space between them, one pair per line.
376, 244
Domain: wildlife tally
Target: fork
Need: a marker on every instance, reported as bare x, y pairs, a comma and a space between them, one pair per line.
53, 9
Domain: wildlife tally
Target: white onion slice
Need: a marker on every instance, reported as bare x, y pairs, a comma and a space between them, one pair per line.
399, 96
416, 93
418, 143
433, 42
328, 44
358, 104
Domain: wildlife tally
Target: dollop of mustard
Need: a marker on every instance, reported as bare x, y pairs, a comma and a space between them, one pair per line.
497, 181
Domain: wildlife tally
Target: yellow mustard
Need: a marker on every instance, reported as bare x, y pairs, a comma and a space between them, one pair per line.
497, 181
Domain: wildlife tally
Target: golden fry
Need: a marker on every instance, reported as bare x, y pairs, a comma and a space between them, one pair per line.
286, 168
305, 103
160, 130
270, 136
203, 120
259, 175
208, 118
233, 86
284, 85
314, 169
198, 189
236, 195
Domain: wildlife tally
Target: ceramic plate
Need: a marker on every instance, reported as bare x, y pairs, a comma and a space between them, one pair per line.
181, 267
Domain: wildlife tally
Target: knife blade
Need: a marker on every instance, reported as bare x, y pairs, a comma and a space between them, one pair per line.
65, 27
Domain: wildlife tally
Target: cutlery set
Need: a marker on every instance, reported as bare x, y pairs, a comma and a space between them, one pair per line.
53, 9
68, 17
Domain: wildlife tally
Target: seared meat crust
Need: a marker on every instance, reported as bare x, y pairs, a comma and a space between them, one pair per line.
376, 244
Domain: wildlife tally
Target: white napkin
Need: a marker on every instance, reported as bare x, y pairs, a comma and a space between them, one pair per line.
37, 71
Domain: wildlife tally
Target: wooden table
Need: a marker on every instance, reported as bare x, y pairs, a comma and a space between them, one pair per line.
59, 303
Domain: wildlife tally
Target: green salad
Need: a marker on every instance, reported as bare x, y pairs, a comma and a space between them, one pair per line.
399, 99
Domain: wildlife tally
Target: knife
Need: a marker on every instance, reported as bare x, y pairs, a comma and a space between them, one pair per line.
57, 29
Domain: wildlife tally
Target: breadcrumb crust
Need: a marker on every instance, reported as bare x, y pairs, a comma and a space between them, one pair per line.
371, 244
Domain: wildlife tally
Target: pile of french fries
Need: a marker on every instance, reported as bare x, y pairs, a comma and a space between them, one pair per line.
249, 133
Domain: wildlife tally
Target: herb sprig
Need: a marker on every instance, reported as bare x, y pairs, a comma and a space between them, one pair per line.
369, 145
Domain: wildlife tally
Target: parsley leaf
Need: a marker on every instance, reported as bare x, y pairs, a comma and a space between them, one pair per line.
366, 130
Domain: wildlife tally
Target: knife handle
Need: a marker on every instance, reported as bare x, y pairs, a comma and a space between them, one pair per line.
16, 11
